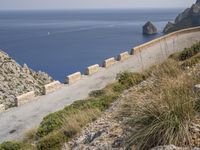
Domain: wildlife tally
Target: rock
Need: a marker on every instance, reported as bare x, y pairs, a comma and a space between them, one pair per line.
197, 89
90, 137
169, 26
16, 80
171, 147
188, 18
118, 143
149, 29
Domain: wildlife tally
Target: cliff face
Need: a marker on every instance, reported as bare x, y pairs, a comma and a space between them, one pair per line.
16, 80
188, 18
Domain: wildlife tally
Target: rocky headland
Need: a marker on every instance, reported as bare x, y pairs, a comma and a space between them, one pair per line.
16, 80
188, 18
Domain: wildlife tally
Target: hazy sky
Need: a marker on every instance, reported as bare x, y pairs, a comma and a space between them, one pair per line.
92, 4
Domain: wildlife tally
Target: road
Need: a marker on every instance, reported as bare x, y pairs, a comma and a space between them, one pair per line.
16, 121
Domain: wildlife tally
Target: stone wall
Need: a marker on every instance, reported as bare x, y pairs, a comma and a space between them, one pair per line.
24, 98
123, 56
2, 108
73, 78
92, 69
51, 87
109, 62
164, 38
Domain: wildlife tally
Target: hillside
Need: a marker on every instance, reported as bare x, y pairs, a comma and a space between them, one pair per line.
156, 107
16, 80
188, 18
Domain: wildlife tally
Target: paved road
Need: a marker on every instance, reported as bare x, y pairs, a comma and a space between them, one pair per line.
16, 121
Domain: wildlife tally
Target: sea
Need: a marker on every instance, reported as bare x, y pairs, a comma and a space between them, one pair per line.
61, 42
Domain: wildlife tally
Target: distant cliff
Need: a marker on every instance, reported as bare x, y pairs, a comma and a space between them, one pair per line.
189, 18
16, 80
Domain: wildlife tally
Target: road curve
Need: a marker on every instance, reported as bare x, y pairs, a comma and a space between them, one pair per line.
16, 121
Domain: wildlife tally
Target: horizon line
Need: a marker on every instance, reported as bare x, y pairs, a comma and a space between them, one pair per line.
65, 9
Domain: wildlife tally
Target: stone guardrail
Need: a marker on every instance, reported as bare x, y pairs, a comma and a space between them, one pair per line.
2, 107
24, 98
109, 62
73, 78
123, 56
139, 48
92, 69
51, 87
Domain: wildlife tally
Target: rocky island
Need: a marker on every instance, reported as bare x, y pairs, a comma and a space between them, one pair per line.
16, 80
188, 18
149, 29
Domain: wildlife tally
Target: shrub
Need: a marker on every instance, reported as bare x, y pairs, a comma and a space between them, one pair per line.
186, 53
30, 136
56, 120
191, 61
51, 122
14, 146
170, 68
97, 93
53, 141
165, 117
118, 88
129, 79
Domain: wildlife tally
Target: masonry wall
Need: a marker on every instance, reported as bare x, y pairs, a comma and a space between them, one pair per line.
2, 107
24, 98
51, 87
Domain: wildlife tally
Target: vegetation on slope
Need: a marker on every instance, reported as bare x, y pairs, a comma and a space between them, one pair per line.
167, 109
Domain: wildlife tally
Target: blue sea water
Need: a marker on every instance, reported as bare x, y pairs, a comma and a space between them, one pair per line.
63, 42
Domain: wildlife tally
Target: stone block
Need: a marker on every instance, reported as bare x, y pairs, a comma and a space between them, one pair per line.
109, 62
51, 87
92, 69
2, 107
24, 98
73, 78
123, 56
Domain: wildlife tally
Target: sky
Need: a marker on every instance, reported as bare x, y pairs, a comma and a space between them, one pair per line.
92, 4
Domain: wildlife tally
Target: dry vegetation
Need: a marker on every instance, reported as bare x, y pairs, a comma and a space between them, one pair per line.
164, 112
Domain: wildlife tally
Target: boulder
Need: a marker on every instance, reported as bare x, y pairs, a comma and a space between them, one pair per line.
149, 29
172, 147
188, 18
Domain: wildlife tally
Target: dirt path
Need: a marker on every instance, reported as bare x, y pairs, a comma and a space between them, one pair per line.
15, 121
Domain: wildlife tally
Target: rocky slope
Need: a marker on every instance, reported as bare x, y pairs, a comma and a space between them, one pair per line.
16, 80
189, 18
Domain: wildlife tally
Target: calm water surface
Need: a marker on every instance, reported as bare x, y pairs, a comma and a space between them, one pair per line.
62, 42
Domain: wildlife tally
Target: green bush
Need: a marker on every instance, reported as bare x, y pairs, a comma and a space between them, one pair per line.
186, 53
11, 146
55, 120
118, 88
51, 122
191, 61
129, 79
97, 93
53, 141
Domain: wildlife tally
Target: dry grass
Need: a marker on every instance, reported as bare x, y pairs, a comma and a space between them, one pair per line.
30, 136
72, 125
165, 110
